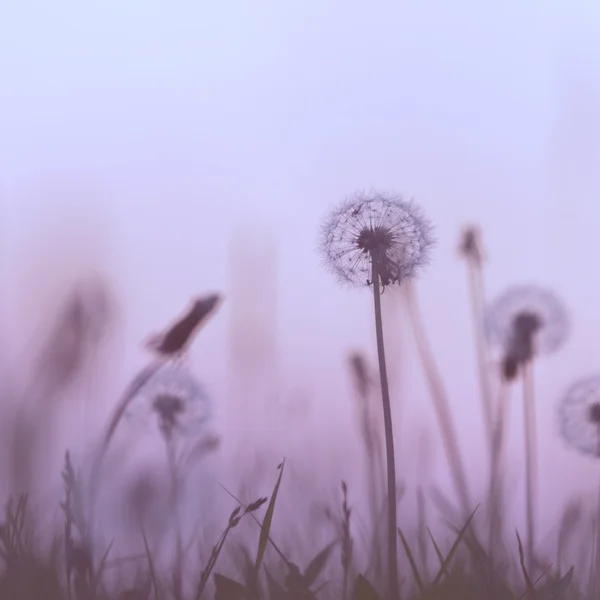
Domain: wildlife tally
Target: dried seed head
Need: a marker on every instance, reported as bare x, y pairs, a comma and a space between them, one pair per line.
470, 245
579, 416
379, 231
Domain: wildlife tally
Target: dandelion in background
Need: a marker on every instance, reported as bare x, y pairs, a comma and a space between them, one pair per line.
178, 404
579, 416
579, 425
524, 322
378, 240
174, 400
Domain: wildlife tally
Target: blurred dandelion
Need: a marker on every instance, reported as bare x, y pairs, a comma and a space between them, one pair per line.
579, 425
177, 402
524, 322
378, 240
579, 416
174, 400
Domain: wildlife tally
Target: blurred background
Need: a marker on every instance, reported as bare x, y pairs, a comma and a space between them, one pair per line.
172, 149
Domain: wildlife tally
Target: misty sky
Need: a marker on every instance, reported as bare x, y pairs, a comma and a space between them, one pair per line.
137, 137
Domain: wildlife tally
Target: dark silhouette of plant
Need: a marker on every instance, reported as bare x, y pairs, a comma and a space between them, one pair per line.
378, 240
524, 322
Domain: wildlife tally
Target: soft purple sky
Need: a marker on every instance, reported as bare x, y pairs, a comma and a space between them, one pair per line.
137, 137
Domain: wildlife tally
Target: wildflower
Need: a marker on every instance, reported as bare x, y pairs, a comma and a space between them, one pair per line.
376, 231
470, 245
526, 321
579, 416
377, 241
175, 399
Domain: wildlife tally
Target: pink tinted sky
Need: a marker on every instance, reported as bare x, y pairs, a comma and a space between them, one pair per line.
136, 137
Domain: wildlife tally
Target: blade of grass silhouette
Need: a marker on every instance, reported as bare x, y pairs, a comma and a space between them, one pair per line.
529, 419
413, 563
528, 583
96, 471
394, 590
266, 528
436, 548
441, 403
245, 507
453, 549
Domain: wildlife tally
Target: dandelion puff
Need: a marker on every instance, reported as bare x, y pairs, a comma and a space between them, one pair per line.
378, 240
379, 228
524, 322
579, 416
175, 400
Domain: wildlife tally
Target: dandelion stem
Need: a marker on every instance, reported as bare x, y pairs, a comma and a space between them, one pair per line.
477, 290
530, 457
496, 465
173, 474
441, 404
394, 592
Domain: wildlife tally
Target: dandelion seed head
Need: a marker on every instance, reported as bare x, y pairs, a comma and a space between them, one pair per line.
579, 416
527, 314
376, 229
174, 400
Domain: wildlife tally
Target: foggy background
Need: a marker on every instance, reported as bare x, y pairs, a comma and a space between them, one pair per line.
184, 147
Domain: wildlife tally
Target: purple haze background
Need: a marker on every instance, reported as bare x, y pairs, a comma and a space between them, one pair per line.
182, 147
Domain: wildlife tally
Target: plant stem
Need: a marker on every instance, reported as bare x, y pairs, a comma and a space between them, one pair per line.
477, 290
530, 457
496, 466
394, 591
441, 405
172, 465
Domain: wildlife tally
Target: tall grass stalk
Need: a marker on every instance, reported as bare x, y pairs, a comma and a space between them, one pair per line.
441, 403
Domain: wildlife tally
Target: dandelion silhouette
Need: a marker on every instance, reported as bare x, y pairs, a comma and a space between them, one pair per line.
524, 322
175, 400
579, 416
378, 240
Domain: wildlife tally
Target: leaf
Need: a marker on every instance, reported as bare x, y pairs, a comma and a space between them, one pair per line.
266, 525
317, 564
363, 590
228, 589
413, 564
528, 582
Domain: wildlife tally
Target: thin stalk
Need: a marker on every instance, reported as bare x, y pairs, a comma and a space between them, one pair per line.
477, 292
441, 405
498, 446
530, 458
394, 590
172, 465
597, 561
